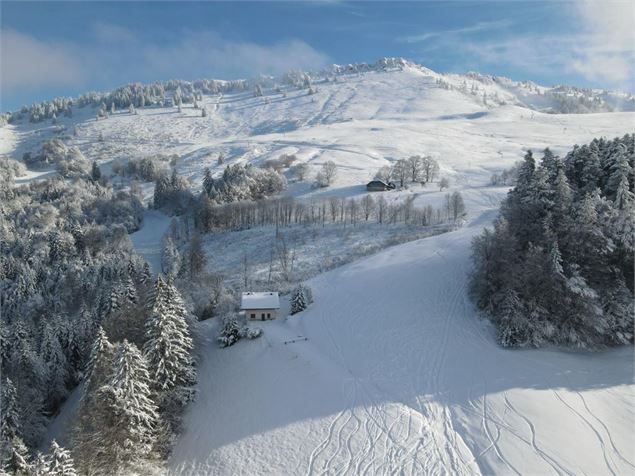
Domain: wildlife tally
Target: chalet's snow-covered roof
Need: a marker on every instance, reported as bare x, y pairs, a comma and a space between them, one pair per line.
266, 300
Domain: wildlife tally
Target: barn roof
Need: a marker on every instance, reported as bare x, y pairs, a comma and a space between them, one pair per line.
266, 300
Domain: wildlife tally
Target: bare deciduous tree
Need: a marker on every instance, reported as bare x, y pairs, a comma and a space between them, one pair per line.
368, 206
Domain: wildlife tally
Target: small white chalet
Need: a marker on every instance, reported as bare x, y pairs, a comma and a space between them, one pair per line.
260, 306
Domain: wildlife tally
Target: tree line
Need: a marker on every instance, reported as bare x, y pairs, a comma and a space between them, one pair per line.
288, 211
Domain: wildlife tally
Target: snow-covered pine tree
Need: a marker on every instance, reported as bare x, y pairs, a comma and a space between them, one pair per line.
30, 376
17, 463
146, 274
197, 258
99, 362
59, 461
10, 422
301, 297
168, 343
40, 465
229, 332
57, 367
208, 181
134, 416
170, 258
130, 291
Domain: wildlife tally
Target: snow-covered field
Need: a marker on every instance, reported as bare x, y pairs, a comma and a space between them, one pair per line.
399, 374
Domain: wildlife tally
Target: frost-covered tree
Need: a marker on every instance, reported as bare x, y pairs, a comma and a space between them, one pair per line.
126, 395
301, 171
16, 461
400, 171
95, 172
99, 362
59, 461
327, 174
557, 268
10, 423
301, 297
56, 366
171, 260
196, 256
168, 345
457, 206
384, 174
444, 183
415, 167
229, 332
429, 169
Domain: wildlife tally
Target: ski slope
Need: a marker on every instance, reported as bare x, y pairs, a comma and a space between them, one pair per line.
399, 375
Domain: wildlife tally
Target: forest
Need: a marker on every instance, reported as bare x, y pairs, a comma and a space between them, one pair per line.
80, 311
557, 268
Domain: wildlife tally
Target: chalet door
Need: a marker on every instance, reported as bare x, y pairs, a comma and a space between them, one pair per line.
263, 316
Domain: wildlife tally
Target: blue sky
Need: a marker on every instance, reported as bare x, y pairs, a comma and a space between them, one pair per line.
57, 48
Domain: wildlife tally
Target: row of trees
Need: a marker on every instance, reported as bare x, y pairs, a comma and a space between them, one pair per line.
558, 265
130, 96
413, 169
281, 212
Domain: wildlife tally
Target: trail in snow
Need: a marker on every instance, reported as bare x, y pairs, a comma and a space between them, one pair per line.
147, 241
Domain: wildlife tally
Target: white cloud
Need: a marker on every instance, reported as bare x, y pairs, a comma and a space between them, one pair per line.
28, 63
607, 49
597, 42
476, 28
117, 55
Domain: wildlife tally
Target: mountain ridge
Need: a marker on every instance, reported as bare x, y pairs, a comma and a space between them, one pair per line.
499, 90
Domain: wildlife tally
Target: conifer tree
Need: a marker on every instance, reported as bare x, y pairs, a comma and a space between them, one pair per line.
57, 367
168, 344
134, 415
17, 462
300, 298
99, 362
59, 461
10, 421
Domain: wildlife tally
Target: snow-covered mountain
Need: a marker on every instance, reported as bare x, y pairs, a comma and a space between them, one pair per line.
360, 116
398, 373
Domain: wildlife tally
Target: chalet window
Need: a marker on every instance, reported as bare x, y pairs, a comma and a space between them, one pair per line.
253, 316
268, 316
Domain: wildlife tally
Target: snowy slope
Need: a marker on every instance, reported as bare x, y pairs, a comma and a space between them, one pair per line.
362, 121
400, 376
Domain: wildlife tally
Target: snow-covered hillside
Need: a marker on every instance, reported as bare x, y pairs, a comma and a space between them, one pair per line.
398, 374
361, 118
